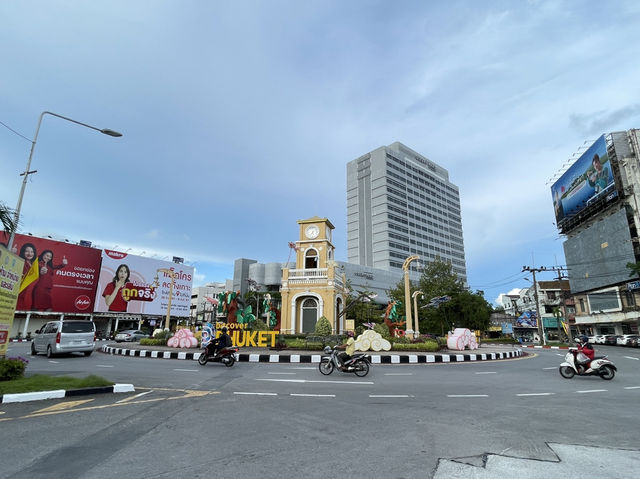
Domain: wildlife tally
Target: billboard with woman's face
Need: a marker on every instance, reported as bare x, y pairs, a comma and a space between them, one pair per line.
57, 276
135, 284
589, 177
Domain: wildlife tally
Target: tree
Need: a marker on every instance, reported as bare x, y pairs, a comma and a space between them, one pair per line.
7, 218
634, 269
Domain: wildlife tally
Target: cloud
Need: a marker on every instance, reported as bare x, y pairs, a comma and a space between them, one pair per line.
604, 120
153, 234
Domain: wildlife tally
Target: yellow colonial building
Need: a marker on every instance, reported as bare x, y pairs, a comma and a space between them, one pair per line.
312, 289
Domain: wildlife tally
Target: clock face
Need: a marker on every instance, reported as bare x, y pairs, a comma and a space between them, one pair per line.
312, 231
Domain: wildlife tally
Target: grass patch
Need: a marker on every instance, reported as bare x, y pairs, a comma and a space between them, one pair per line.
40, 382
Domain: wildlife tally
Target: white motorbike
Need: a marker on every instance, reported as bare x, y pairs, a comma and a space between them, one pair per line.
600, 366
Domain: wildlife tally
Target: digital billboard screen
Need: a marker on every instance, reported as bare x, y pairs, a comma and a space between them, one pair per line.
135, 284
588, 178
57, 276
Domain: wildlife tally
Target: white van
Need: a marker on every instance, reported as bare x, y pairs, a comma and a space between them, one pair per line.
59, 337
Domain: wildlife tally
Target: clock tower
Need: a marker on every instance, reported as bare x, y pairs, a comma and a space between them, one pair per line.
311, 289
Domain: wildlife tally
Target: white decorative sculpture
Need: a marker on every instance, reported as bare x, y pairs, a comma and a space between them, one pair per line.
372, 340
461, 339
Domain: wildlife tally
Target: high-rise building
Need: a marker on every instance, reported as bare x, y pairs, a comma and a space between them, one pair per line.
400, 204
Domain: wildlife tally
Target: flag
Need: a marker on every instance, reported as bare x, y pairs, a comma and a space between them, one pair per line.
32, 275
293, 246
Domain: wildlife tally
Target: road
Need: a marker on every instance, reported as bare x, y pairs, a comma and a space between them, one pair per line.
285, 420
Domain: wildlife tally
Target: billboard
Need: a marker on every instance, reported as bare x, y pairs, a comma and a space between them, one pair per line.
139, 285
11, 267
57, 276
588, 178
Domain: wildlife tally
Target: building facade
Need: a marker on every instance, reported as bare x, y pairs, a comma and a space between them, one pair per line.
399, 204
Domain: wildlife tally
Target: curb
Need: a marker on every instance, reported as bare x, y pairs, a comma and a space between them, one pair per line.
315, 358
61, 393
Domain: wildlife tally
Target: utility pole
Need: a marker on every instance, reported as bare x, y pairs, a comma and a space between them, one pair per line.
533, 271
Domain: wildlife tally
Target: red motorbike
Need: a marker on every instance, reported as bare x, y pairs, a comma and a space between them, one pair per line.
226, 356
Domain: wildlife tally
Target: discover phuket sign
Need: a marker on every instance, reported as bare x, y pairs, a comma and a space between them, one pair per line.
135, 284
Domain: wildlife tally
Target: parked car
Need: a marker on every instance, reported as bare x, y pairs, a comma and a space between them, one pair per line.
130, 335
598, 339
610, 339
624, 339
59, 337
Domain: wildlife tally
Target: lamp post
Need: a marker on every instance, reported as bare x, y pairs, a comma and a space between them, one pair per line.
172, 275
415, 310
407, 295
26, 173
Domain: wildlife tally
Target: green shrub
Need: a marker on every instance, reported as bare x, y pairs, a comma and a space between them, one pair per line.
428, 346
323, 327
259, 325
164, 335
12, 368
153, 342
383, 331
401, 340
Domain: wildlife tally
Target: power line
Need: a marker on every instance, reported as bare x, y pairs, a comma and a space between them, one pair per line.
14, 131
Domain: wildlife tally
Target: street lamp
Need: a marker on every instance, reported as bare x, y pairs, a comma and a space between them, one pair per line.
415, 310
172, 275
407, 296
26, 173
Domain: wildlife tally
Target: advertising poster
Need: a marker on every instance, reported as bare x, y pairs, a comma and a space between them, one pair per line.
590, 176
139, 285
57, 276
11, 267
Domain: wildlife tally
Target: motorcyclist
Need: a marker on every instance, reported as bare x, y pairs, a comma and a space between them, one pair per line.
221, 342
349, 348
585, 348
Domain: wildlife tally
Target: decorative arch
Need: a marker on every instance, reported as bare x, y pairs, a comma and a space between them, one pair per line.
296, 312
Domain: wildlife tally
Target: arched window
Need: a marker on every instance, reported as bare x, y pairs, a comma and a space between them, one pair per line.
309, 315
311, 259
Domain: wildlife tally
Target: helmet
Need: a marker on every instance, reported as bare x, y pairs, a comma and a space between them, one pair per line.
327, 350
224, 330
584, 339
349, 334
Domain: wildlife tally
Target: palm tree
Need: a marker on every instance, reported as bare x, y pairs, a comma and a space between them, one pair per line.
7, 218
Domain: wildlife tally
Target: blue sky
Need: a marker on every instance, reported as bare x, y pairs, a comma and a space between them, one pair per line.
239, 117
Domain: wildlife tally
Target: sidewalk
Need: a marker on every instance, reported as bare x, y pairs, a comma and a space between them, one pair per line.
264, 355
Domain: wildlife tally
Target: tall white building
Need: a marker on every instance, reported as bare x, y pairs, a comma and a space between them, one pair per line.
399, 204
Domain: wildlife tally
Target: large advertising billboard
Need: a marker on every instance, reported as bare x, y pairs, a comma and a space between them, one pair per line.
589, 177
57, 276
135, 284
11, 267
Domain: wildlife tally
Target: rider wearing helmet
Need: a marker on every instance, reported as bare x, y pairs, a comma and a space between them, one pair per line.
222, 341
349, 348
585, 348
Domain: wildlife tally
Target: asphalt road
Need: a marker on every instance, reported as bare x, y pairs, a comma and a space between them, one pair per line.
286, 420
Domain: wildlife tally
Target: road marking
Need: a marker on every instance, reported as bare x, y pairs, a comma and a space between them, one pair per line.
314, 395
133, 397
632, 387
53, 362
550, 368
487, 372
390, 396
398, 374
467, 395
558, 354
313, 369
631, 357
188, 370
62, 406
255, 394
592, 391
283, 373
314, 381
103, 366
536, 394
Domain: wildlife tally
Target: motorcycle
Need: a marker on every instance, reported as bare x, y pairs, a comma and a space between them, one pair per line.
600, 366
225, 356
358, 364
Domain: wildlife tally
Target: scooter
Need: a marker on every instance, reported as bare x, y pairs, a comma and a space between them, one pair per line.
358, 364
599, 366
225, 356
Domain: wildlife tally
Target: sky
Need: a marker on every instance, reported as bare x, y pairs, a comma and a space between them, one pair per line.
239, 118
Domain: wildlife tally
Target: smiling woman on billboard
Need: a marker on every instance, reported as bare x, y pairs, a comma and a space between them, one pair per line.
42, 297
113, 291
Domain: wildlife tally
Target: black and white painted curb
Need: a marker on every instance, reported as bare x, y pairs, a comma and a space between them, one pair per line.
315, 358
61, 393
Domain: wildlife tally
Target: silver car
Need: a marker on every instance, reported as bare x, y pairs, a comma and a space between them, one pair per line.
130, 335
70, 336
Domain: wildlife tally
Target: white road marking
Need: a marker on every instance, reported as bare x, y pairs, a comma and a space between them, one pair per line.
486, 372
592, 391
390, 396
256, 394
313, 369
187, 370
314, 381
632, 387
314, 395
281, 373
467, 395
558, 354
398, 374
53, 362
103, 366
631, 357
536, 394
134, 397
551, 368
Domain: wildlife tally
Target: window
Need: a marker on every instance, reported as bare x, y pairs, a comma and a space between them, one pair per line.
311, 259
582, 310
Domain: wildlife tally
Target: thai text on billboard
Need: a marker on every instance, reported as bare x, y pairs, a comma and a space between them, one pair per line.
590, 176
11, 267
135, 284
57, 276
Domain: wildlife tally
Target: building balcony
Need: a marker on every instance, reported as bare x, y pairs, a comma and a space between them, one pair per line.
313, 276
